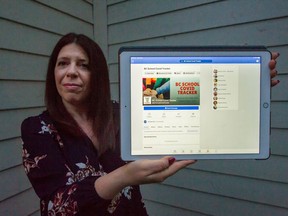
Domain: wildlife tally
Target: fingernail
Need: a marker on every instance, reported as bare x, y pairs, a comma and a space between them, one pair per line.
278, 81
278, 54
171, 161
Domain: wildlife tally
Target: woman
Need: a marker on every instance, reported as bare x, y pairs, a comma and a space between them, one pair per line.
70, 151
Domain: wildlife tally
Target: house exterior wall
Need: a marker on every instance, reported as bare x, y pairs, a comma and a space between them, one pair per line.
220, 187
30, 29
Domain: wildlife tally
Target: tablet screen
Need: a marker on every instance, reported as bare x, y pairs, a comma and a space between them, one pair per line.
188, 104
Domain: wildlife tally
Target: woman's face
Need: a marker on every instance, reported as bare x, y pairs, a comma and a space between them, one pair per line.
72, 75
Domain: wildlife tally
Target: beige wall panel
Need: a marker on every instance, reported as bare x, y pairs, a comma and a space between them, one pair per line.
206, 203
23, 204
159, 209
279, 141
39, 16
236, 187
75, 8
13, 120
19, 94
113, 73
273, 169
129, 10
10, 153
17, 37
22, 66
279, 117
15, 181
249, 34
224, 13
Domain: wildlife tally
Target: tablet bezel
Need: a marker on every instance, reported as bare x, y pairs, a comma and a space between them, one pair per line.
125, 95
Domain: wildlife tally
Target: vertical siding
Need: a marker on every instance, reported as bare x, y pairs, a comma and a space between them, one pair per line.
234, 187
100, 25
29, 31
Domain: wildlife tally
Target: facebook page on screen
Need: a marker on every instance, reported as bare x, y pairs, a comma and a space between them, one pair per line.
194, 105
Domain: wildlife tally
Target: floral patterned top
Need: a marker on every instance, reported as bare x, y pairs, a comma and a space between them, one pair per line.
63, 169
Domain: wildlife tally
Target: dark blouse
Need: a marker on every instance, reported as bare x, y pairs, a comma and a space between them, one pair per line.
62, 170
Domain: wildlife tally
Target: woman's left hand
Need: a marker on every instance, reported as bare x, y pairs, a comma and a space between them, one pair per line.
273, 71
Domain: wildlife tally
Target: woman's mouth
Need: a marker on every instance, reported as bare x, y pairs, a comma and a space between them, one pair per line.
72, 86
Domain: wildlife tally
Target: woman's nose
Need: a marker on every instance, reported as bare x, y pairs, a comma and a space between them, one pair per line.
72, 71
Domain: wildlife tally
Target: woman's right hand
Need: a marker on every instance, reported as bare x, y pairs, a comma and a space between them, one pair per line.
152, 171
136, 173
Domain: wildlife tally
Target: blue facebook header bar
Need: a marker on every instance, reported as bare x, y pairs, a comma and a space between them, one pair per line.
196, 60
171, 107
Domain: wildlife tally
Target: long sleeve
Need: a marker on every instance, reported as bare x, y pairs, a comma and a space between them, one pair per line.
164, 88
55, 181
63, 169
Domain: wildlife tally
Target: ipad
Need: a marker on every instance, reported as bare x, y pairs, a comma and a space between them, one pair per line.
194, 102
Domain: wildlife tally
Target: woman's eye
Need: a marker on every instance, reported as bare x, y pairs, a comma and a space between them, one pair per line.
84, 65
62, 63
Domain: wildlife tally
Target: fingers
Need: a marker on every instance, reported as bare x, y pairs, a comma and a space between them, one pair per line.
152, 171
180, 165
274, 82
176, 165
275, 55
272, 66
273, 73
273, 62
148, 167
160, 165
170, 170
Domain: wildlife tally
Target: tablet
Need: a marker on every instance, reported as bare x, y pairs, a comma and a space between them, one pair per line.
194, 102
